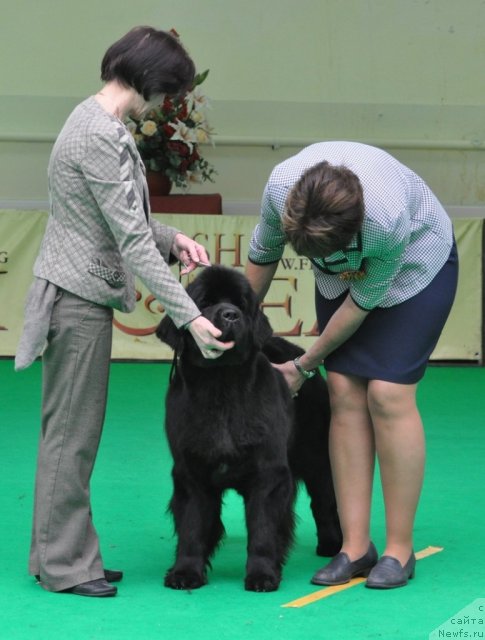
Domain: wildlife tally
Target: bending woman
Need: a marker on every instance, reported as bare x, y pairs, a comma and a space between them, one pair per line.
385, 264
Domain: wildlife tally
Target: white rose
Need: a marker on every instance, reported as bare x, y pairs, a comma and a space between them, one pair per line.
202, 136
149, 128
197, 116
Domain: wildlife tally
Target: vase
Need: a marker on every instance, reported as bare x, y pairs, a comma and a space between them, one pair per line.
158, 183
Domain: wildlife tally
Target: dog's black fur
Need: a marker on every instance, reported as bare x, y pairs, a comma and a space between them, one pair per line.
231, 423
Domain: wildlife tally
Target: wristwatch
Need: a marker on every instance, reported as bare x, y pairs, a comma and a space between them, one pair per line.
306, 374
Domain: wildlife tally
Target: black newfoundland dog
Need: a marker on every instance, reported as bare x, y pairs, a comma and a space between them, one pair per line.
231, 423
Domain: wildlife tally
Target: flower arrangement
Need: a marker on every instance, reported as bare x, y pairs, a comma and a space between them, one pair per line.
168, 137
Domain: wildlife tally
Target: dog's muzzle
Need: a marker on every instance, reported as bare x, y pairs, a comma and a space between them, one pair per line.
226, 317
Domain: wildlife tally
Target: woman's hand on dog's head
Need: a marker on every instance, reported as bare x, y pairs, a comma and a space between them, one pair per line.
205, 335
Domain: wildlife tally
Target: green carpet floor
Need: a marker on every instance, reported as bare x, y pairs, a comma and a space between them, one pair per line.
131, 487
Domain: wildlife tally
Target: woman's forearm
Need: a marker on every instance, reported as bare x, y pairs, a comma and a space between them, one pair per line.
260, 277
344, 322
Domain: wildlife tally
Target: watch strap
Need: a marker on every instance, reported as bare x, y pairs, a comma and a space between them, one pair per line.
306, 374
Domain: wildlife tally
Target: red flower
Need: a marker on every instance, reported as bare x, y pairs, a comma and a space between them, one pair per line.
168, 130
179, 147
167, 105
183, 166
183, 112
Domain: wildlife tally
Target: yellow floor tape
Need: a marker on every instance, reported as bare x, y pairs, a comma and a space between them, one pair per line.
330, 591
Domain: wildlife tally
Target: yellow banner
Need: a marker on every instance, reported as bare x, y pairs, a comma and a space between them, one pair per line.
289, 303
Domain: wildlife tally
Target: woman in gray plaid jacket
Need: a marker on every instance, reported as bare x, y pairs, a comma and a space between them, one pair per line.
99, 235
383, 254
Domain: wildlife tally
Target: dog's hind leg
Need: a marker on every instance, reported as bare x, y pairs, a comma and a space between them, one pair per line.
199, 529
310, 461
270, 523
317, 478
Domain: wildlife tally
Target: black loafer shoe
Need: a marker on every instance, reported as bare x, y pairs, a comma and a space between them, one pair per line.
341, 570
389, 573
110, 575
94, 589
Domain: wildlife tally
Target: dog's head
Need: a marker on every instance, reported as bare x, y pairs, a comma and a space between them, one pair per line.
225, 297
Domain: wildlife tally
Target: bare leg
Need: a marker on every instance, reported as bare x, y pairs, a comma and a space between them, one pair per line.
401, 453
352, 454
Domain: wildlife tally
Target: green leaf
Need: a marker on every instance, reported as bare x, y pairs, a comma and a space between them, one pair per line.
200, 77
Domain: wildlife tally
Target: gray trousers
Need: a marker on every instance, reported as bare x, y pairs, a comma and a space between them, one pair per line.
65, 547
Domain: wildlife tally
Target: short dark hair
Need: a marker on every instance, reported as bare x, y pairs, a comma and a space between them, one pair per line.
149, 61
324, 210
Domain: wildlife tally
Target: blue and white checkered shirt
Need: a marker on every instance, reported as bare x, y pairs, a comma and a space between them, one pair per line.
405, 239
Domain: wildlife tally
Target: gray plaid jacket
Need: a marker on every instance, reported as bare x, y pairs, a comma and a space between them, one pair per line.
99, 233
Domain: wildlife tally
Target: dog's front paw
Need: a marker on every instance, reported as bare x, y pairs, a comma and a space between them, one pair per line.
186, 579
261, 582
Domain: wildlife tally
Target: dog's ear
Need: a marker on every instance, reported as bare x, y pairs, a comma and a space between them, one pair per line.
167, 332
262, 329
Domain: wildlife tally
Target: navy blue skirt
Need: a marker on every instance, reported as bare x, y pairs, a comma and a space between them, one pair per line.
394, 343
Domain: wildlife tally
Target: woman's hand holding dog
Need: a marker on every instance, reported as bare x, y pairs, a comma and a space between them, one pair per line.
205, 334
293, 377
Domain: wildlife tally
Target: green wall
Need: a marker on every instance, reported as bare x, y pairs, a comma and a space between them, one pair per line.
406, 75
